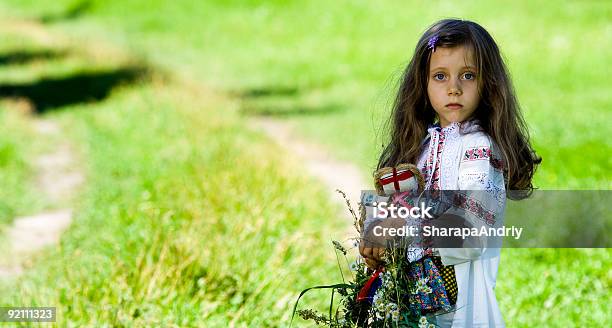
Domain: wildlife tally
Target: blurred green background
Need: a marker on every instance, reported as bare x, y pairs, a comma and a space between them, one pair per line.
189, 218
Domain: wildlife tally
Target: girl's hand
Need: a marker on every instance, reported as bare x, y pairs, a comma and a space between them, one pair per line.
372, 255
373, 264
371, 246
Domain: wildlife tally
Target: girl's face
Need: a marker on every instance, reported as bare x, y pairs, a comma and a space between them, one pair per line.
452, 86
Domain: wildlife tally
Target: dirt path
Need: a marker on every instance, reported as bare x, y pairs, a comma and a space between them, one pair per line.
57, 173
320, 163
59, 178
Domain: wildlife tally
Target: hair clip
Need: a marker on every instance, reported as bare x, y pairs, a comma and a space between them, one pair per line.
431, 44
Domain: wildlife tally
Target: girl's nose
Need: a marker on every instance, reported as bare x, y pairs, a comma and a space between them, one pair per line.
454, 90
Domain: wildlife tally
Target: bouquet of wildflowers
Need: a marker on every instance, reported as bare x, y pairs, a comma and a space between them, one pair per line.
406, 291
400, 293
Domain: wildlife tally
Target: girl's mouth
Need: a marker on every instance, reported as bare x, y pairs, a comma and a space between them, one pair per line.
454, 106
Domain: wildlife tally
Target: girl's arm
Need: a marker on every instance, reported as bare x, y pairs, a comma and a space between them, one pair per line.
481, 199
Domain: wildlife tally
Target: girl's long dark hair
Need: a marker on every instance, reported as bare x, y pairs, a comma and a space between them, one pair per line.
498, 111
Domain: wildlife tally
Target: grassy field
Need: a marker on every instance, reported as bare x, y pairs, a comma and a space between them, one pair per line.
171, 230
163, 207
330, 71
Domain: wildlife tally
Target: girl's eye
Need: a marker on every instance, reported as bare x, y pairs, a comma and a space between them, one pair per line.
439, 76
469, 76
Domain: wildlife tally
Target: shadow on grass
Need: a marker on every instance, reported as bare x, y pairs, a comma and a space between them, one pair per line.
269, 92
75, 11
20, 57
280, 101
287, 111
51, 93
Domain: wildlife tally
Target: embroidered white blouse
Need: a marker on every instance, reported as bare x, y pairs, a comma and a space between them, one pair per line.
469, 160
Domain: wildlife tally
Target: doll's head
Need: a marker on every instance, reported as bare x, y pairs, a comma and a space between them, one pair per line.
458, 62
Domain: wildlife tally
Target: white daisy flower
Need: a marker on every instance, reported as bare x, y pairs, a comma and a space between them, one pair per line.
391, 307
395, 315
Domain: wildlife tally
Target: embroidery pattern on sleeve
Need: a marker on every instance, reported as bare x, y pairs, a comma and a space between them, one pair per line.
477, 153
483, 153
473, 206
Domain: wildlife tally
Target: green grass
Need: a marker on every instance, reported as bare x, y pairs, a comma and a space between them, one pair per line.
175, 232
554, 287
163, 206
191, 219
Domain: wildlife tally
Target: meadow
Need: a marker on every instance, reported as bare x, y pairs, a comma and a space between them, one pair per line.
197, 220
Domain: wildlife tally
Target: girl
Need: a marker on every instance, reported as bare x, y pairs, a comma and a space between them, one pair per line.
456, 115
